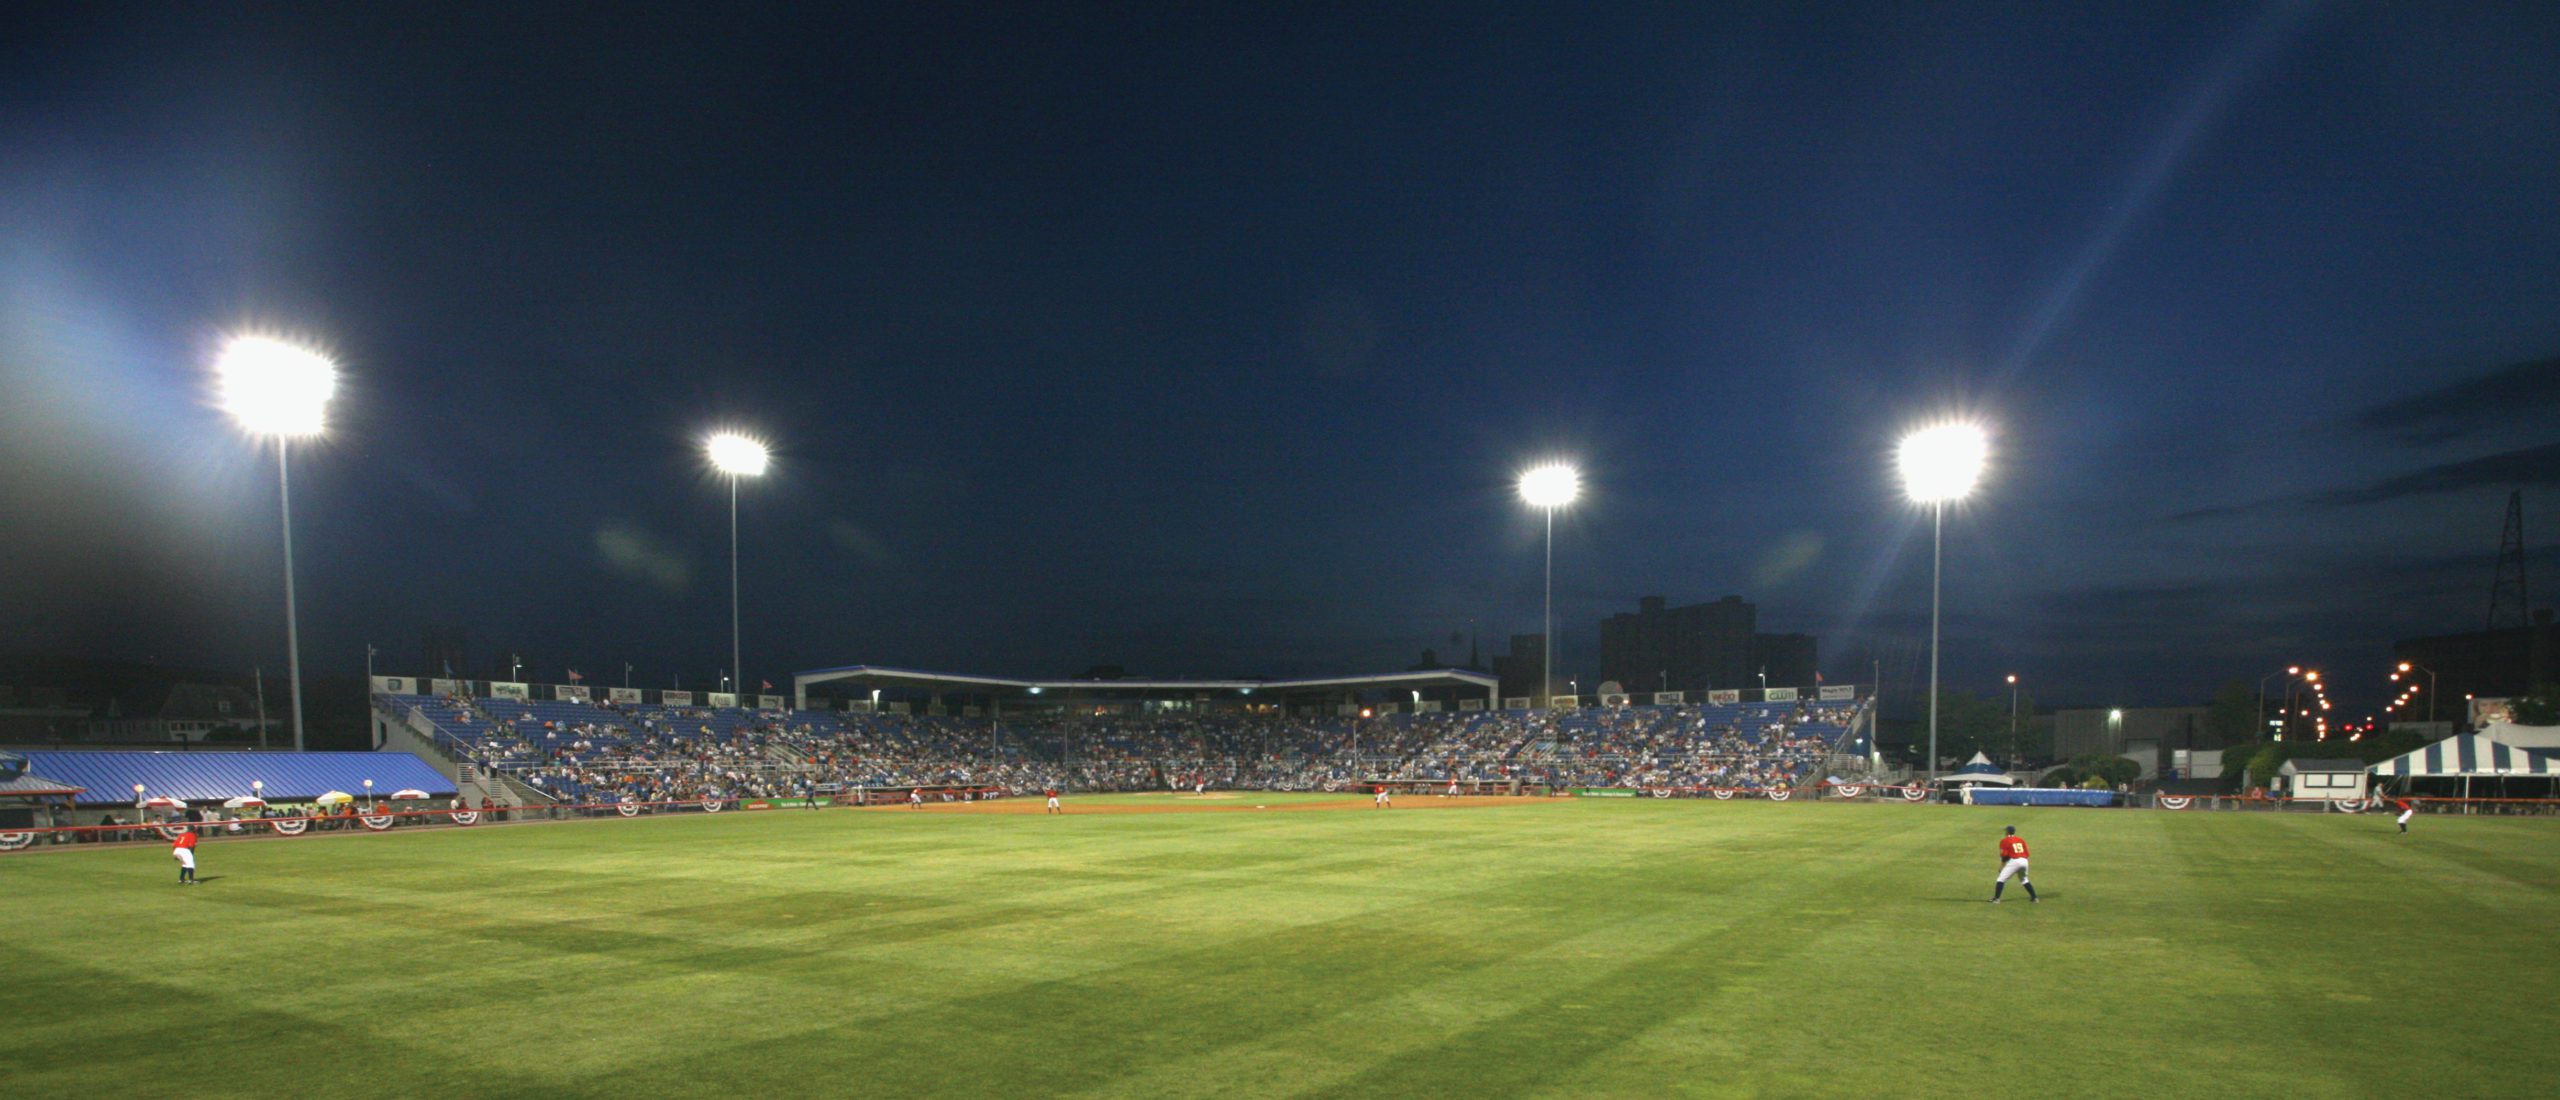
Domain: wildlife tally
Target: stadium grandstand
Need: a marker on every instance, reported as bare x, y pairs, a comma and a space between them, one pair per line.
865, 730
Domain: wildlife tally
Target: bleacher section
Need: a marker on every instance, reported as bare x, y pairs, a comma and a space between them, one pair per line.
584, 750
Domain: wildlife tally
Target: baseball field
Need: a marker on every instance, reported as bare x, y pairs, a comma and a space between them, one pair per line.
1209, 947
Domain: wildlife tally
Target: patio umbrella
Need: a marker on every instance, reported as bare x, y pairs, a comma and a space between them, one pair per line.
161, 802
333, 798
244, 802
409, 792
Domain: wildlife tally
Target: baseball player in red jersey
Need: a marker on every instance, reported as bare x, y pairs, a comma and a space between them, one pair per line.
183, 849
1053, 801
1382, 801
2407, 811
2013, 861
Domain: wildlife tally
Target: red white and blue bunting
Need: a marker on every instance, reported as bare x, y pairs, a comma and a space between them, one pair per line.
466, 817
1915, 793
1849, 790
1722, 794
2176, 801
10, 842
377, 822
713, 805
290, 826
628, 809
1780, 794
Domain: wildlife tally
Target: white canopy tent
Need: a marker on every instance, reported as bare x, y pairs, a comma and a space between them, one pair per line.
2471, 754
1979, 770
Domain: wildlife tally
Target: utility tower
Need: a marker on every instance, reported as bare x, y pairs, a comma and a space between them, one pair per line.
2508, 589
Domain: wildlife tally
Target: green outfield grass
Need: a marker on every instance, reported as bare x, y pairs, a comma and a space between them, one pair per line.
1629, 948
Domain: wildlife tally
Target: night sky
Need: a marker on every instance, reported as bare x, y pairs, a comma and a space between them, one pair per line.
1207, 340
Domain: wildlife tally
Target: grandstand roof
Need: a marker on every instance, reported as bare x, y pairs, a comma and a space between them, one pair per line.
107, 778
802, 681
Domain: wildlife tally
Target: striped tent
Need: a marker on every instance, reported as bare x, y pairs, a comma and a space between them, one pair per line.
2471, 754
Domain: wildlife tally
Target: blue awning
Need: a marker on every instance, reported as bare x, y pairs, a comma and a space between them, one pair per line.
108, 777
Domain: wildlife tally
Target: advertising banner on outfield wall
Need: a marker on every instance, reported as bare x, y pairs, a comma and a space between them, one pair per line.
1427, 706
1515, 702
449, 687
1470, 704
1778, 695
772, 702
675, 698
1616, 700
570, 692
1837, 693
1606, 792
724, 698
1565, 702
1669, 698
1725, 698
623, 695
509, 689
395, 685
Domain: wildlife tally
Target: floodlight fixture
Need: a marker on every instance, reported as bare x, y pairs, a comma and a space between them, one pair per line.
1942, 463
275, 388
737, 455
1550, 486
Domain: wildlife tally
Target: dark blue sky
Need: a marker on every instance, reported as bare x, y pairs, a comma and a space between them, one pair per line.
1207, 341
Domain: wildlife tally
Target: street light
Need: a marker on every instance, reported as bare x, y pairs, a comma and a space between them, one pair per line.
2431, 686
2289, 672
1548, 488
280, 391
1939, 464
735, 456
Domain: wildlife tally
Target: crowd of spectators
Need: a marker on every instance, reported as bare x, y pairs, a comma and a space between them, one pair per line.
590, 752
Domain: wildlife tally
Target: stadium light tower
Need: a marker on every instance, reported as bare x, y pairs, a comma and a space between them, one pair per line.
735, 456
1940, 464
279, 391
1548, 488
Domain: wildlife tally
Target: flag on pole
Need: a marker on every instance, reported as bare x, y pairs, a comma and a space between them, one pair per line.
574, 677
768, 684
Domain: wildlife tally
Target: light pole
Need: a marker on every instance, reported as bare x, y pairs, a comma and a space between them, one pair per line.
280, 391
2290, 670
735, 456
2013, 720
1548, 488
1939, 464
